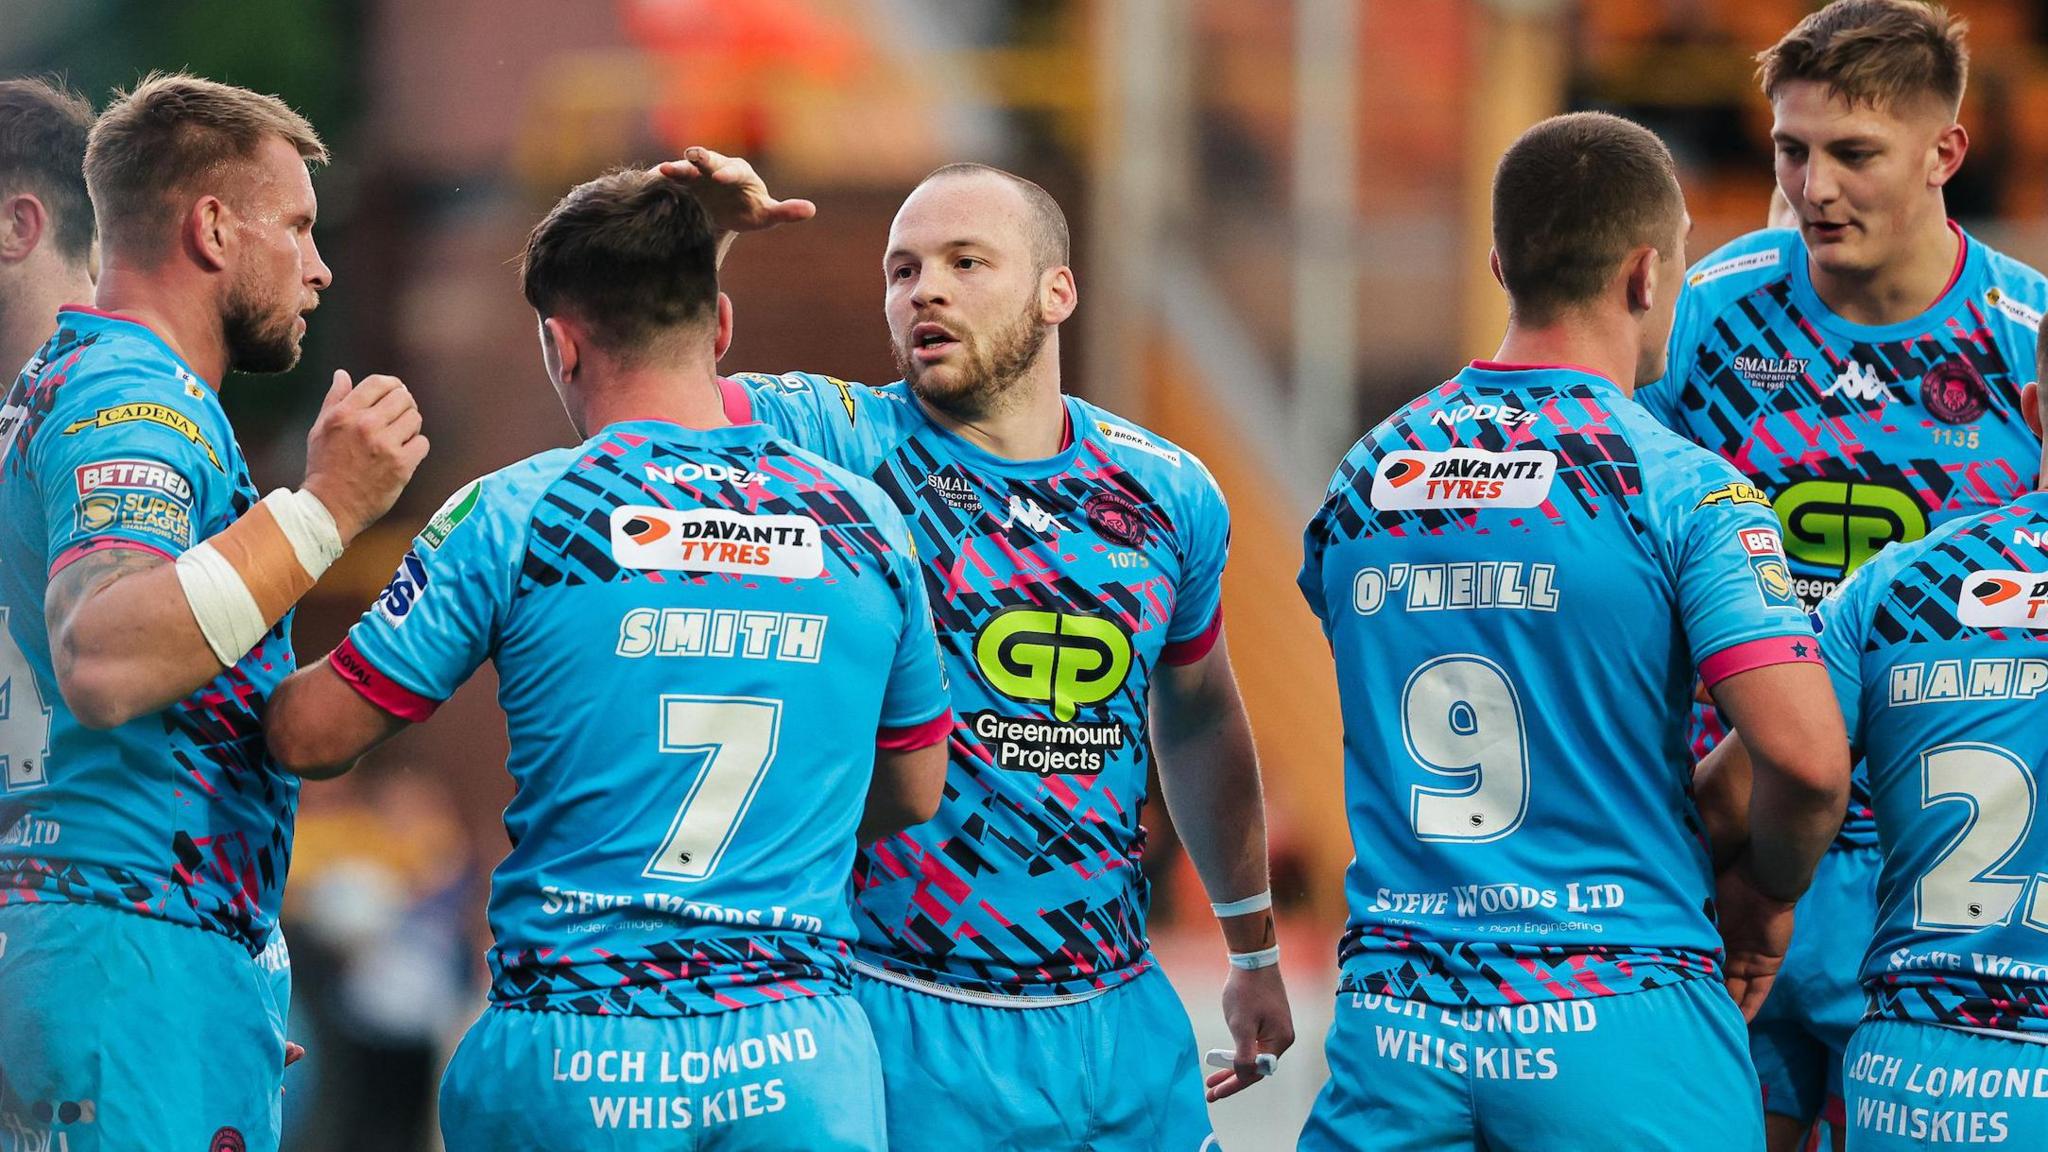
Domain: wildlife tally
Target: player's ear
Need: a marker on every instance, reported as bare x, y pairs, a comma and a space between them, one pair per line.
1493, 262
1057, 295
207, 229
1643, 281
558, 349
724, 340
2030, 406
1947, 155
23, 219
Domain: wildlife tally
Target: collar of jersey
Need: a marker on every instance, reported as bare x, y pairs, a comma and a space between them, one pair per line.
94, 317
670, 432
982, 460
1809, 301
1494, 374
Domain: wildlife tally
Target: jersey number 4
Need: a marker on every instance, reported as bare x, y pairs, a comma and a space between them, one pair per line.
736, 738
1462, 719
24, 719
1965, 889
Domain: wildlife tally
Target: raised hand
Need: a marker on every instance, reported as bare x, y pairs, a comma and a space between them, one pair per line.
732, 193
362, 450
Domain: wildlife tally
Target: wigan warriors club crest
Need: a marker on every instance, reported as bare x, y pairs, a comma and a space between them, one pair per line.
1116, 519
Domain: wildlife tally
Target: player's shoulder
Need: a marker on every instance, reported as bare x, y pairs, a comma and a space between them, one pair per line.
1675, 466
1743, 265
1157, 462
864, 408
2009, 288
867, 495
506, 495
103, 375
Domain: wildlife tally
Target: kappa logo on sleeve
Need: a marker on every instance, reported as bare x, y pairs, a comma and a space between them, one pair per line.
2003, 598
1464, 478
784, 547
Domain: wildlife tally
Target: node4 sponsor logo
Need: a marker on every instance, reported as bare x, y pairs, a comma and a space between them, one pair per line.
1463, 478
1457, 587
1860, 382
2003, 598
692, 472
787, 547
1502, 413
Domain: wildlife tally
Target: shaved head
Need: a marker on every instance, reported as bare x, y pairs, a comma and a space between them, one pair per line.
1046, 223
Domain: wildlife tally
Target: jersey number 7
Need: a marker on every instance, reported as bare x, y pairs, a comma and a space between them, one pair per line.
737, 736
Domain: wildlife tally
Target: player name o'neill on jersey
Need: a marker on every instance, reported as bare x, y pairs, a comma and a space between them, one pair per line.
2003, 598
1463, 478
1457, 586
716, 540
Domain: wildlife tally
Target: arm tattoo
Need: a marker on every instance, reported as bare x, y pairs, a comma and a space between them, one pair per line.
80, 581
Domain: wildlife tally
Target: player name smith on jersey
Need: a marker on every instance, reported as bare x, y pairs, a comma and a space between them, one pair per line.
1938, 658
1057, 586
687, 627
109, 440
1518, 573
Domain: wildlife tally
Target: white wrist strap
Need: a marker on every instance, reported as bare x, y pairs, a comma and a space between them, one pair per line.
227, 614
1244, 907
306, 522
1252, 961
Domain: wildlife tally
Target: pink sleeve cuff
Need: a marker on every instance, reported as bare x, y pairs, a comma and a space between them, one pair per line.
376, 687
738, 402
1194, 647
78, 552
1759, 654
917, 735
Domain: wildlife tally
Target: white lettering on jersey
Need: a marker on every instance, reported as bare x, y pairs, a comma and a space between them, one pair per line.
1957, 681
145, 474
716, 540
797, 637
1463, 478
690, 472
1503, 413
2003, 598
1730, 267
1122, 435
1458, 587
1859, 382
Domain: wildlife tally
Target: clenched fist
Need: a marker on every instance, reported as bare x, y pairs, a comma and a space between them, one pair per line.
363, 448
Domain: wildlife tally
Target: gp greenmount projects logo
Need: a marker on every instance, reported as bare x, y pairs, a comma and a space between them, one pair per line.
1838, 524
1065, 660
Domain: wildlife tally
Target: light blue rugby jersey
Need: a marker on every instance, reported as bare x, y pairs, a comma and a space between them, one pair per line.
701, 637
1862, 436
1057, 587
109, 440
1519, 574
1937, 654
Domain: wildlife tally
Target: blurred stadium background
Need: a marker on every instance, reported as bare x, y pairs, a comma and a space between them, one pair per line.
1280, 209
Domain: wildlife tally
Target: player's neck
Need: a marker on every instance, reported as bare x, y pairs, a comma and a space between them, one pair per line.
28, 314
1584, 344
1029, 422
182, 315
686, 397
1898, 291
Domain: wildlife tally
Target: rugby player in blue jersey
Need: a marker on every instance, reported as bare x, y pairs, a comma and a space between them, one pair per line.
716, 663
1074, 562
46, 230
1934, 648
1863, 368
1520, 574
146, 593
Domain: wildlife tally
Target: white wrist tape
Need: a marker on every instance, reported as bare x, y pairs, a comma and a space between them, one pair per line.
231, 615
1251, 961
307, 523
227, 614
1244, 907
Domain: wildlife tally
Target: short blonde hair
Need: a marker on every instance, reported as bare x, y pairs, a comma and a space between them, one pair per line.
1873, 52
159, 142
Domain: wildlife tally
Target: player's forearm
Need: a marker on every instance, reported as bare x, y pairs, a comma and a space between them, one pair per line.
905, 791
122, 637
318, 727
1721, 788
1794, 813
1209, 769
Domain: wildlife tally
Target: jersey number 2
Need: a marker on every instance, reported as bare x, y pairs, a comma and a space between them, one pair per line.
1964, 890
736, 735
1461, 718
24, 719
